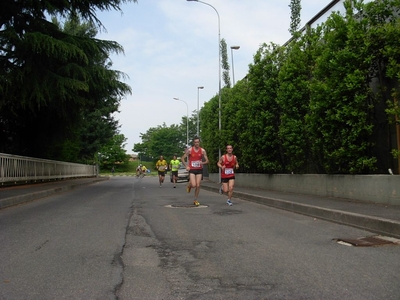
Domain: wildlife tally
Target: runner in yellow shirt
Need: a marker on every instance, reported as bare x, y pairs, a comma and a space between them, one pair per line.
161, 166
143, 172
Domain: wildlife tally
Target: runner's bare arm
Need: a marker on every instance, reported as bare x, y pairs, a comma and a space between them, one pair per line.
183, 158
220, 162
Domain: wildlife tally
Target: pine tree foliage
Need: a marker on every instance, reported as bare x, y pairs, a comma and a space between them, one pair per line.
295, 16
52, 77
225, 65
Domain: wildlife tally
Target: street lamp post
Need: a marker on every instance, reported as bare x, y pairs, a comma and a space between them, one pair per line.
187, 120
198, 122
219, 78
233, 68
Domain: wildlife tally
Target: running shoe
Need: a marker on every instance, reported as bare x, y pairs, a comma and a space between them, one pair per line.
229, 202
188, 188
196, 203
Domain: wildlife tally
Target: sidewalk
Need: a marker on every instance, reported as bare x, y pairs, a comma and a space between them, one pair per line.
14, 195
378, 218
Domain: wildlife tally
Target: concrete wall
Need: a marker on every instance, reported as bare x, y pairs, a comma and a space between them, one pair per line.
383, 189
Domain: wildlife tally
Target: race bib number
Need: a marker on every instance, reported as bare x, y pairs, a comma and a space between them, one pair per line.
175, 166
229, 171
196, 164
161, 168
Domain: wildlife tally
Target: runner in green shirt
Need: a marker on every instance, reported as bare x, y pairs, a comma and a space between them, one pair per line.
174, 166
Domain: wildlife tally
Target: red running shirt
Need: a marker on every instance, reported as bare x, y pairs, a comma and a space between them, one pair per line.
228, 172
195, 159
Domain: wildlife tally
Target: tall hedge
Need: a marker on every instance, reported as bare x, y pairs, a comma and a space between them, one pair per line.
326, 102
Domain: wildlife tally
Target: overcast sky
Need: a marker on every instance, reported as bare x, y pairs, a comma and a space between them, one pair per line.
171, 48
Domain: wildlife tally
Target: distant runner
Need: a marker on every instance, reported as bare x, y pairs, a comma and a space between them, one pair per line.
161, 166
174, 166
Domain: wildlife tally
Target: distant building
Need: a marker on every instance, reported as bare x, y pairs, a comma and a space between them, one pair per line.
133, 157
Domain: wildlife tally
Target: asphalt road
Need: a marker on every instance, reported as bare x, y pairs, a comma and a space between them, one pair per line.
126, 238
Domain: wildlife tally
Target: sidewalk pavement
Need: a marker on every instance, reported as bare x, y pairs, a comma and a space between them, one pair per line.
14, 195
378, 218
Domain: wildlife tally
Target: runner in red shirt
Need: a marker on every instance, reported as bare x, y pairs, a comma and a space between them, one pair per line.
228, 163
197, 158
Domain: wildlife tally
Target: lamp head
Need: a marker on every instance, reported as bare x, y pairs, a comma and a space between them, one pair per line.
233, 47
200, 87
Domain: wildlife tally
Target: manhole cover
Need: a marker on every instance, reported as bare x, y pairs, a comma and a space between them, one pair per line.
185, 206
369, 241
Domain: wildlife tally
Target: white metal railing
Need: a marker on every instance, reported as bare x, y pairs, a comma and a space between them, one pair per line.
14, 168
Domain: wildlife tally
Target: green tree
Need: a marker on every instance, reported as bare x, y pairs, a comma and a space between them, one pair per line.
96, 124
295, 16
293, 98
261, 135
113, 152
161, 140
225, 65
341, 98
48, 76
383, 38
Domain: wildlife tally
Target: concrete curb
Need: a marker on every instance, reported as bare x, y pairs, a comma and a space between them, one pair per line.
370, 223
11, 201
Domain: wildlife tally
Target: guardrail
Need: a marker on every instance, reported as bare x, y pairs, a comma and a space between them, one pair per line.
14, 169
